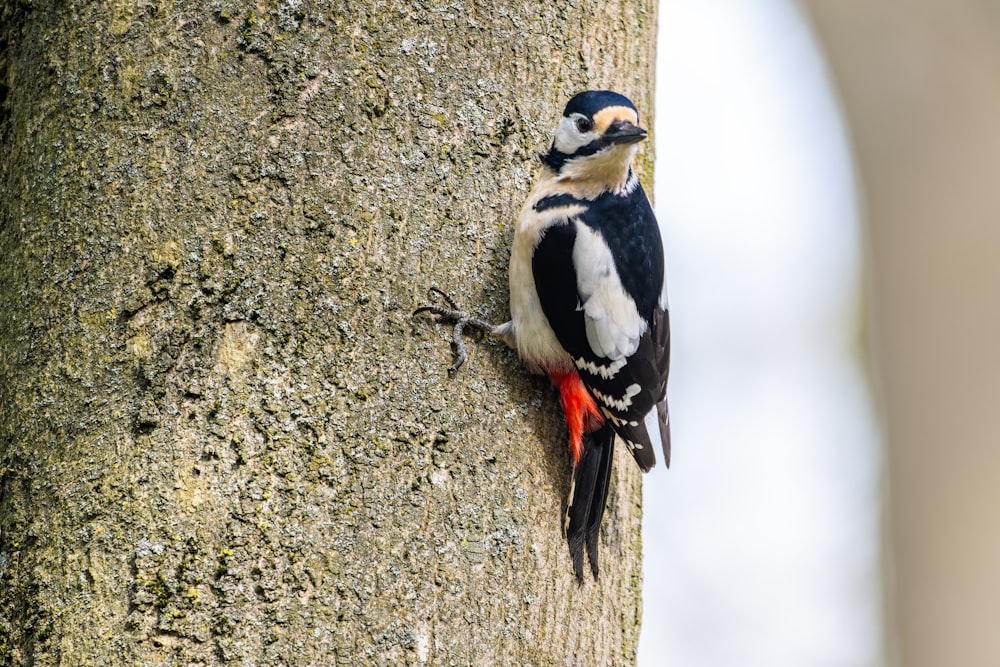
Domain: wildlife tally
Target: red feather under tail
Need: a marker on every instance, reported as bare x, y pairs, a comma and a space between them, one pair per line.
582, 414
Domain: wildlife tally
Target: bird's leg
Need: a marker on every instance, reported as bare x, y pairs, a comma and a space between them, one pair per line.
462, 320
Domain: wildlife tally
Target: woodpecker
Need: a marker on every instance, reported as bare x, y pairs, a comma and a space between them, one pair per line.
588, 302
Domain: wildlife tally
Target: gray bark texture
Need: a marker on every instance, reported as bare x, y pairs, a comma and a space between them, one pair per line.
223, 438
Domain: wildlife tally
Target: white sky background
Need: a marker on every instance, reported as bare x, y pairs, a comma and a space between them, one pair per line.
761, 542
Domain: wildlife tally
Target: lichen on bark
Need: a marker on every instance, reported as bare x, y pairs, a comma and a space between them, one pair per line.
222, 437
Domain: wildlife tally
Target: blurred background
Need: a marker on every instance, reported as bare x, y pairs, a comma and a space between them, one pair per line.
826, 179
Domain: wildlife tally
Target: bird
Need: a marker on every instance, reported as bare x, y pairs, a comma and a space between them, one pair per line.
588, 303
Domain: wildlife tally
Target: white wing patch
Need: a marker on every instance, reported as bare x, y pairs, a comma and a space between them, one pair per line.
618, 421
611, 317
620, 404
606, 371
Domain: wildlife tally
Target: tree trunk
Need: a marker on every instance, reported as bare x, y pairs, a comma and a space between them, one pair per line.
920, 89
222, 436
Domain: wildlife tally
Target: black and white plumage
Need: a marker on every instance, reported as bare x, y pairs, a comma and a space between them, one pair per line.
598, 276
587, 270
588, 301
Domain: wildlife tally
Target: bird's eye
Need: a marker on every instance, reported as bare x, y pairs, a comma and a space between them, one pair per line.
584, 124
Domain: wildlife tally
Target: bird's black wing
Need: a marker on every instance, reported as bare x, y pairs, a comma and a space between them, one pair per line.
627, 388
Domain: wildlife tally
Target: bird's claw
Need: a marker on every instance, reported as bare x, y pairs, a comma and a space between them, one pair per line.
452, 315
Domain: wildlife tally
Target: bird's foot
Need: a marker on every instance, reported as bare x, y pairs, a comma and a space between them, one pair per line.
462, 321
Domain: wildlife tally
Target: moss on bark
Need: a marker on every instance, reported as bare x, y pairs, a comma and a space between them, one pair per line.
222, 437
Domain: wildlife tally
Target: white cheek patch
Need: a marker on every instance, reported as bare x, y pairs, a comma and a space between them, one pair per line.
613, 324
568, 139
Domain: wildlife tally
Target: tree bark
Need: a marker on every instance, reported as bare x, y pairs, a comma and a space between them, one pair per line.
222, 436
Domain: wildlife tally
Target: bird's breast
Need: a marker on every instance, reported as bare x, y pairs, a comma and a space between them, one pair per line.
536, 342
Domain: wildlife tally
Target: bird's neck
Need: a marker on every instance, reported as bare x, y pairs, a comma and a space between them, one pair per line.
594, 175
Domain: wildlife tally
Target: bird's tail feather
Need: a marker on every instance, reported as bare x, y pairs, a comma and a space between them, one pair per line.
663, 419
588, 497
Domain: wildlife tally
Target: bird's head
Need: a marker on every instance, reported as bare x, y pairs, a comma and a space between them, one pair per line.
596, 138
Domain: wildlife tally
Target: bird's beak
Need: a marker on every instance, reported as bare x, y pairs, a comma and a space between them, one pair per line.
623, 132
